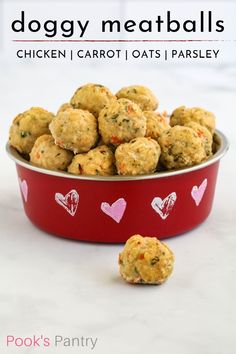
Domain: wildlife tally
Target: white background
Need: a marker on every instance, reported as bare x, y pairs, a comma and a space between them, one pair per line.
51, 286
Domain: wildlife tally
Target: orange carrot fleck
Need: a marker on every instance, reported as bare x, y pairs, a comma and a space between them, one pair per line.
130, 109
199, 133
116, 140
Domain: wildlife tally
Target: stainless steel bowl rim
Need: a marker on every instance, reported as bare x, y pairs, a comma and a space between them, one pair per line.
224, 146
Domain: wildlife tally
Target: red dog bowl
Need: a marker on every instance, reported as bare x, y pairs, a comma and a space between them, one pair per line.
111, 209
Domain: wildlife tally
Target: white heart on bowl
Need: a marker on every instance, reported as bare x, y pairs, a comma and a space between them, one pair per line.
69, 201
163, 207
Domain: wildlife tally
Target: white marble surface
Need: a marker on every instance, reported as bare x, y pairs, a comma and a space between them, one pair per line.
51, 286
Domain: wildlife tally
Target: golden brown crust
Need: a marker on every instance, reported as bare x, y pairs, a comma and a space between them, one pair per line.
140, 95
99, 162
181, 147
139, 156
183, 115
47, 154
27, 127
121, 122
204, 134
64, 107
75, 130
92, 97
156, 124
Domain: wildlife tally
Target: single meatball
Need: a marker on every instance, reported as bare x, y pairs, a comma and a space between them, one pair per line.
141, 95
99, 161
64, 107
139, 156
47, 154
181, 147
75, 130
92, 97
146, 260
183, 115
204, 134
121, 121
156, 124
27, 127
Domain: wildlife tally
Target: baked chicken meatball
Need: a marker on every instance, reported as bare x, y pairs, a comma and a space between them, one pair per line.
181, 147
141, 95
183, 115
121, 121
146, 260
27, 127
156, 124
64, 107
92, 97
75, 130
47, 154
139, 156
99, 161
204, 134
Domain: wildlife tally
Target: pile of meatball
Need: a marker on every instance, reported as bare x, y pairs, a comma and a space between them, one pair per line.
99, 133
